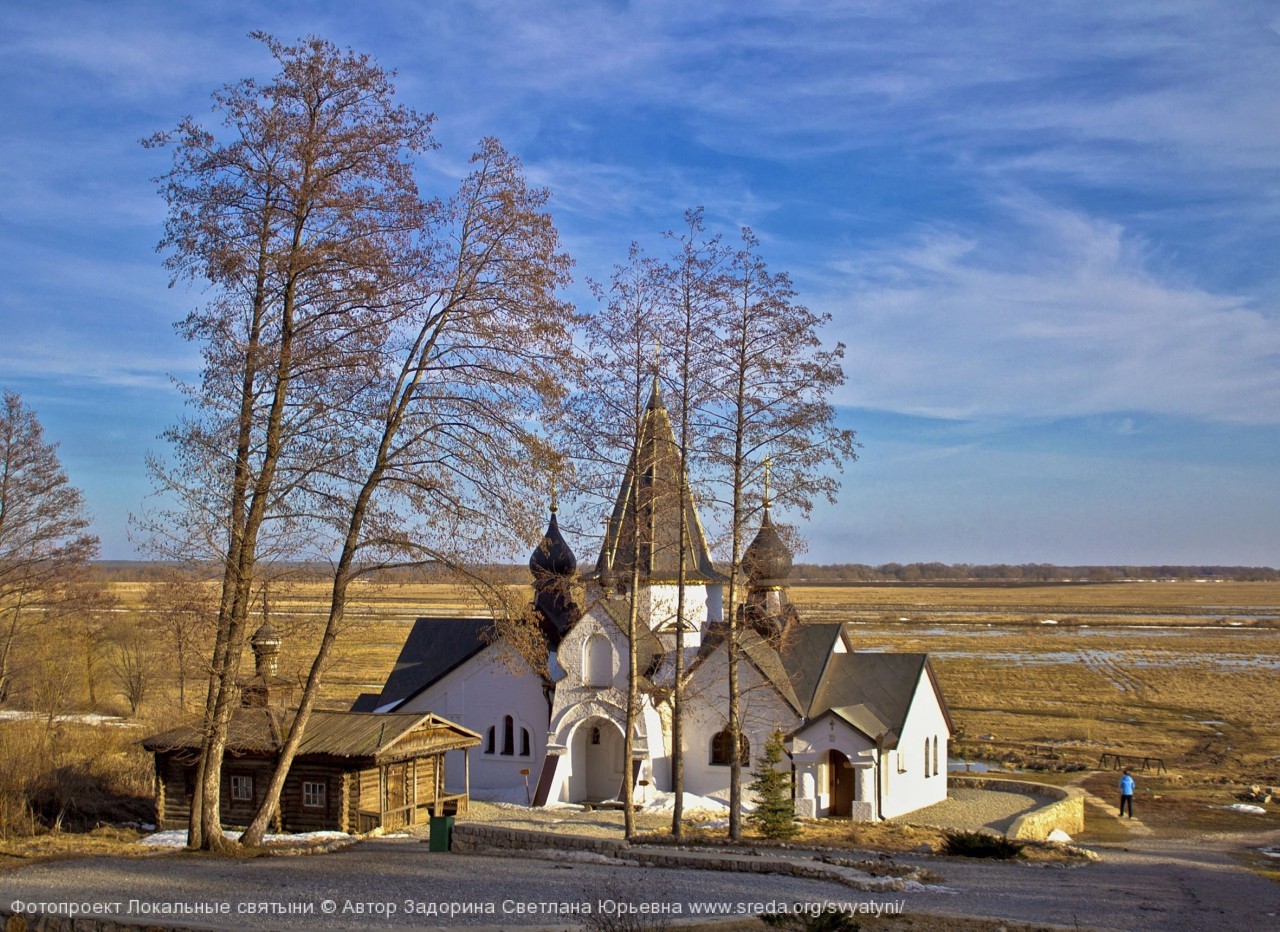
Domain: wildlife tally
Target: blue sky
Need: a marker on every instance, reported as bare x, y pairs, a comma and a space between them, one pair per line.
1048, 233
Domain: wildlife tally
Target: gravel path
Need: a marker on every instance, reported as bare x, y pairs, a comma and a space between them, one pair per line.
967, 808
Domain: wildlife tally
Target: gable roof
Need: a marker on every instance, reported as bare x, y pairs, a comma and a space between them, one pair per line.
870, 690
434, 648
649, 500
333, 734
805, 652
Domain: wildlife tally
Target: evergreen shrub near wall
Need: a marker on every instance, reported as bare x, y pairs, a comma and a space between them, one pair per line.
775, 814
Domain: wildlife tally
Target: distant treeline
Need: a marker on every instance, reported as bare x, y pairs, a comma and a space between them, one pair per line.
1022, 572
918, 573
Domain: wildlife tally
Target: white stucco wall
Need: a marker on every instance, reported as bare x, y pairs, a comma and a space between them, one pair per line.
762, 711
811, 753
907, 786
478, 695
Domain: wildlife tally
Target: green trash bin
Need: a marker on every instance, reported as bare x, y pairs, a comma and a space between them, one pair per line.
441, 832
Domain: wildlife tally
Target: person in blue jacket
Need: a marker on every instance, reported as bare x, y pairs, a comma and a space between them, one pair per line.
1126, 793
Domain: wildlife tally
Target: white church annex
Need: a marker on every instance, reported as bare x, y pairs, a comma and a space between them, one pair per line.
867, 732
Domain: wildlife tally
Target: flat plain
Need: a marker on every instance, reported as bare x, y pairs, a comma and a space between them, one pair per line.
1188, 672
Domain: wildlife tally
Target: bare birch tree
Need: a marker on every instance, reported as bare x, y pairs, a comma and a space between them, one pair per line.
606, 421
296, 221
447, 455
693, 274
772, 410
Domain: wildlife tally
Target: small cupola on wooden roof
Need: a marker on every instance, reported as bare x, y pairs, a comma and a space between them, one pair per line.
266, 650
266, 687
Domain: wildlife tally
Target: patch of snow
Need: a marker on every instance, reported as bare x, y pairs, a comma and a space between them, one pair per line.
1246, 807
1270, 851
177, 838
1049, 621
666, 802
579, 857
714, 823
516, 795
83, 718
1059, 835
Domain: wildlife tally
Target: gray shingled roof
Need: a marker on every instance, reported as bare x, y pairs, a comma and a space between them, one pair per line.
804, 653
870, 691
434, 648
651, 485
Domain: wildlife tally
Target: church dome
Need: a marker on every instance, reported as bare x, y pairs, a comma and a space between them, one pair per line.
266, 635
767, 557
552, 556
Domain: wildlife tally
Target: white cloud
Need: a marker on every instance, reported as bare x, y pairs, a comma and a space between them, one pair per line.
1058, 315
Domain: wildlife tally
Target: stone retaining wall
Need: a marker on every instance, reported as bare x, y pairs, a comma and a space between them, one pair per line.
478, 837
1066, 811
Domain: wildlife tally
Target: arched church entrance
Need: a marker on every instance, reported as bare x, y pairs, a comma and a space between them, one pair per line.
841, 783
597, 755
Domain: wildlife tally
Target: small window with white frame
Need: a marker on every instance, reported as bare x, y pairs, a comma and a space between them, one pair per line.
313, 794
241, 788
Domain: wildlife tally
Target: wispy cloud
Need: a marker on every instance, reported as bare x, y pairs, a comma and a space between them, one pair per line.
1055, 315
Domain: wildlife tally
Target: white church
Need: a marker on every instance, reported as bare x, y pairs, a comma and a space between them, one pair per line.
866, 732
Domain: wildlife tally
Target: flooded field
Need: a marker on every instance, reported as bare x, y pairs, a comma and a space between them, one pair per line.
1184, 671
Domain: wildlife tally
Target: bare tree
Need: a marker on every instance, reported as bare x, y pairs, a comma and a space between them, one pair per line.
606, 420
42, 523
131, 659
299, 221
693, 286
773, 383
483, 350
183, 606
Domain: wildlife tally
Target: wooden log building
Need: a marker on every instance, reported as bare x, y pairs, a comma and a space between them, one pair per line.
354, 771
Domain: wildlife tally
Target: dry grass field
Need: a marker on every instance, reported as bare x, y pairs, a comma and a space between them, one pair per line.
1186, 671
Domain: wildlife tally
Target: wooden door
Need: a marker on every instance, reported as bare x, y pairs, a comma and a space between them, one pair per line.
843, 785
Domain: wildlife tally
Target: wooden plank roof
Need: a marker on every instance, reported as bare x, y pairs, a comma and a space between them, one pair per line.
334, 734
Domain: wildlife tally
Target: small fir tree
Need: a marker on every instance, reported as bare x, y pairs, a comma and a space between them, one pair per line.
775, 809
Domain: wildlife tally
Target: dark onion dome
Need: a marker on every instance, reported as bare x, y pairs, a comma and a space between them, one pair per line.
767, 557
552, 556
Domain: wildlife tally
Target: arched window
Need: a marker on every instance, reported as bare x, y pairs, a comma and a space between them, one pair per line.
926, 757
524, 742
597, 661
721, 744
935, 755
488, 747
595, 734
508, 736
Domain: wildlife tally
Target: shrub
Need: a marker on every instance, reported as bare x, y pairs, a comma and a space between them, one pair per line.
70, 775
775, 812
829, 919
980, 845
